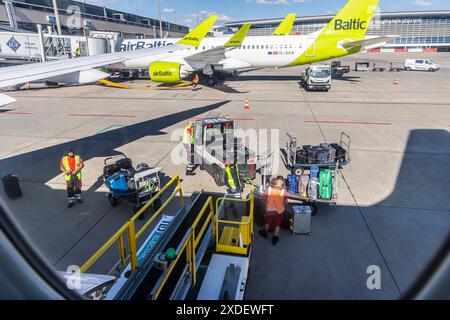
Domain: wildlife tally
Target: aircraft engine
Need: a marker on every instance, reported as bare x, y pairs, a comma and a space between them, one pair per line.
167, 72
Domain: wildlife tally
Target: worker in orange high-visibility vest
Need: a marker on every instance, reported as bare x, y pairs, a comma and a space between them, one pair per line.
276, 199
196, 80
71, 165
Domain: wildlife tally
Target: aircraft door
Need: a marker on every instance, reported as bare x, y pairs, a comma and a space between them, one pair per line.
311, 49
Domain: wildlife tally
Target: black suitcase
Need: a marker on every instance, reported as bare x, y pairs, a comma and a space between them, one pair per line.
302, 156
311, 152
124, 164
340, 152
12, 187
110, 170
321, 155
331, 152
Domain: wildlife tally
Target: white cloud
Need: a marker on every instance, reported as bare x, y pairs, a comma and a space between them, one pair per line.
224, 17
421, 3
169, 10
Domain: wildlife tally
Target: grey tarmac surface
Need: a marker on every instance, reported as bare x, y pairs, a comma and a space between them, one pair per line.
393, 208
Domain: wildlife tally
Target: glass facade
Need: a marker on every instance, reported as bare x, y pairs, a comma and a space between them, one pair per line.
93, 12
413, 29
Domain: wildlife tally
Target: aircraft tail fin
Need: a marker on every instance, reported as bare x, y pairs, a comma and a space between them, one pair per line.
196, 36
353, 20
237, 39
285, 27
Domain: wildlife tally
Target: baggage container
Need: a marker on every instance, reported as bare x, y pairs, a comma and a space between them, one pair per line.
12, 186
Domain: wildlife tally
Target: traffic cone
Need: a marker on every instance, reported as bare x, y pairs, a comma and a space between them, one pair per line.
246, 105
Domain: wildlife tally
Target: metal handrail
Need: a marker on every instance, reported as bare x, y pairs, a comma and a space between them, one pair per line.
190, 245
129, 227
240, 223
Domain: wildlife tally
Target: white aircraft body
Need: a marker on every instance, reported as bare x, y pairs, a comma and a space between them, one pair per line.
344, 35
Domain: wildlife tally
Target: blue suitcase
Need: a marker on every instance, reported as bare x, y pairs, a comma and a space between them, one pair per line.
292, 183
118, 183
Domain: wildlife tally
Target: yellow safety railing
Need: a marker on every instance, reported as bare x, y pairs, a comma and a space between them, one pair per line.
130, 229
190, 245
243, 228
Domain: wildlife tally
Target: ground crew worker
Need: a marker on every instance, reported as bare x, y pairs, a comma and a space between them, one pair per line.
77, 52
276, 198
233, 180
196, 80
71, 165
188, 142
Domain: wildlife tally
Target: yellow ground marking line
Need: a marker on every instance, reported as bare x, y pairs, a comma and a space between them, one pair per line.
121, 86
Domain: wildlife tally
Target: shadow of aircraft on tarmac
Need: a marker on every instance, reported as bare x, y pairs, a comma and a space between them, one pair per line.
99, 145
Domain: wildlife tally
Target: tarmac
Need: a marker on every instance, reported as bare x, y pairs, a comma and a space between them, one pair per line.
393, 208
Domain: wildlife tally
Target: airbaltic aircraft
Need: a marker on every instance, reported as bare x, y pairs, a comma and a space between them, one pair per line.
283, 29
344, 35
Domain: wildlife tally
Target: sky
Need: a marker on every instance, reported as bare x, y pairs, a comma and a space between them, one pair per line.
184, 11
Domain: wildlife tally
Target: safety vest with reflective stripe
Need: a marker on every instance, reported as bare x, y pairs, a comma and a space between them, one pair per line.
188, 138
230, 178
65, 162
275, 200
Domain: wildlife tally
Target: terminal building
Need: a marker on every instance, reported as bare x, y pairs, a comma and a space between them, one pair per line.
417, 31
24, 15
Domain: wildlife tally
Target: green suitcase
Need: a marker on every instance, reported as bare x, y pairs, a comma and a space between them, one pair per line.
325, 184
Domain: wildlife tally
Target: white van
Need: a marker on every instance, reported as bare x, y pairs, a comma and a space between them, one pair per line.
421, 65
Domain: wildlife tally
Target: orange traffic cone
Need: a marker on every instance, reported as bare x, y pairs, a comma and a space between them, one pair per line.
246, 105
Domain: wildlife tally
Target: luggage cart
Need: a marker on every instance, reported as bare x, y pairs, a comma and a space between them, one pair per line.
298, 169
297, 198
291, 161
134, 186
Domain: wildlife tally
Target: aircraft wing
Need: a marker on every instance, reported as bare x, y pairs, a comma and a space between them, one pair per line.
82, 69
368, 42
214, 55
11, 76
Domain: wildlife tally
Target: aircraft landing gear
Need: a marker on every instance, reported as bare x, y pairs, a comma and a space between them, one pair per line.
212, 81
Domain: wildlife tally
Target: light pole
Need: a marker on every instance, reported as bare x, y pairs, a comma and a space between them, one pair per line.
198, 15
58, 23
159, 17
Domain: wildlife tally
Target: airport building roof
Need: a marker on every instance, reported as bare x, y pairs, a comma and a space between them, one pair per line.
321, 18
